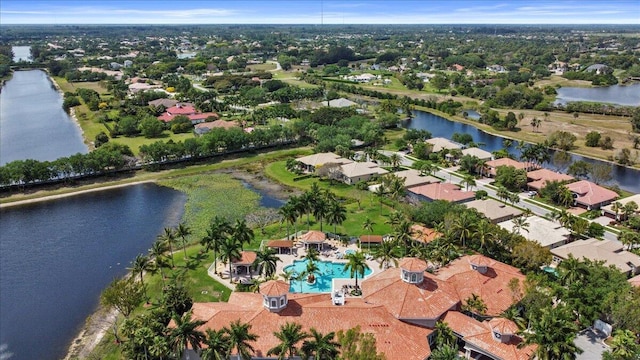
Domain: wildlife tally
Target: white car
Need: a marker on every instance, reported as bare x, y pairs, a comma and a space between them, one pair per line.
532, 193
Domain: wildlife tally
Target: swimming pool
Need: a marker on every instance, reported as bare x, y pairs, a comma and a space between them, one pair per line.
328, 271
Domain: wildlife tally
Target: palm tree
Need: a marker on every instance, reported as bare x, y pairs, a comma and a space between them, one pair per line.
312, 255
336, 214
519, 224
311, 270
402, 233
483, 232
557, 344
239, 338
464, 226
186, 333
386, 254
218, 345
629, 208
444, 335
356, 265
320, 209
183, 231
502, 193
157, 251
241, 232
475, 304
321, 347
169, 236
217, 232
513, 314
306, 202
289, 215
446, 352
623, 344
572, 270
381, 190
395, 160
229, 251
368, 225
266, 261
469, 182
141, 264
289, 335
394, 218
629, 238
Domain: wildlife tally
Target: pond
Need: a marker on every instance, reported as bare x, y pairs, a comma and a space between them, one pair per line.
626, 95
43, 132
328, 271
58, 256
266, 200
625, 178
21, 53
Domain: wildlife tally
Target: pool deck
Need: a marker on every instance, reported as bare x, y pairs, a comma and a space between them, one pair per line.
332, 249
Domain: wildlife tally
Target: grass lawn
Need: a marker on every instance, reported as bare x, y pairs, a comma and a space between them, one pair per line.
135, 142
262, 67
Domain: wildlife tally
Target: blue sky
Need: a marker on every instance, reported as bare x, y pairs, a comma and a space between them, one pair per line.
317, 11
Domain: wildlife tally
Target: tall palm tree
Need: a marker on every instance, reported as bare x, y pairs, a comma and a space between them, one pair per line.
218, 345
368, 225
502, 193
320, 209
266, 261
356, 265
513, 313
312, 255
299, 207
182, 231
444, 334
464, 226
229, 251
475, 304
469, 182
572, 270
483, 232
519, 224
336, 214
381, 190
289, 215
239, 337
141, 264
157, 251
169, 237
306, 202
395, 160
386, 254
629, 238
186, 333
217, 232
394, 218
402, 233
290, 335
242, 233
557, 344
320, 346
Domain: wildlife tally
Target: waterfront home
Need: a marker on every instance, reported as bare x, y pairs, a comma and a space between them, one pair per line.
440, 191
493, 165
538, 179
412, 177
608, 210
440, 144
311, 162
590, 195
355, 172
187, 110
549, 234
611, 252
477, 152
205, 127
494, 210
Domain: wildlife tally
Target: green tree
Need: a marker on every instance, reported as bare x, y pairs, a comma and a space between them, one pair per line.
290, 335
572, 270
140, 265
623, 345
444, 335
386, 254
475, 304
356, 265
446, 352
336, 214
593, 139
218, 231
240, 337
241, 233
356, 345
151, 127
320, 346
185, 332
124, 295
182, 231
469, 182
229, 251
169, 237
266, 261
157, 251
218, 345
557, 344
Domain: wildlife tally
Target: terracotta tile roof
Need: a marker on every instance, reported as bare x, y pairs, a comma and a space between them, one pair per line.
423, 233
590, 194
313, 237
494, 164
479, 335
539, 178
274, 288
442, 191
413, 264
218, 123
503, 326
428, 300
317, 311
246, 258
370, 238
492, 286
280, 243
480, 260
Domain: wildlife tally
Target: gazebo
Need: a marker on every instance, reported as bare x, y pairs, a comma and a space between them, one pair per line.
281, 246
243, 264
313, 238
370, 239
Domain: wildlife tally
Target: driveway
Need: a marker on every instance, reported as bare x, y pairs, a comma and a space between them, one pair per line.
591, 343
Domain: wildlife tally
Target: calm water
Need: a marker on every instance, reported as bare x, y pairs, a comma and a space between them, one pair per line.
266, 200
328, 271
56, 257
21, 53
625, 178
33, 124
628, 95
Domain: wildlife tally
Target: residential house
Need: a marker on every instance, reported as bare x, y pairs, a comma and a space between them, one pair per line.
311, 162
341, 103
412, 177
608, 210
440, 144
205, 127
355, 172
496, 68
440, 191
493, 165
494, 210
611, 252
538, 179
590, 195
187, 110
167, 103
479, 153
599, 69
547, 233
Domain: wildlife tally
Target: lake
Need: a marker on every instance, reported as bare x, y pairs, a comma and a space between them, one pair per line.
627, 95
21, 53
58, 256
625, 178
266, 200
41, 132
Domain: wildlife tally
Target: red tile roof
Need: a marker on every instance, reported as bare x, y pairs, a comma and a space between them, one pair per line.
246, 258
590, 194
370, 238
424, 234
442, 191
635, 281
313, 236
492, 286
413, 264
503, 326
280, 243
274, 288
494, 164
317, 311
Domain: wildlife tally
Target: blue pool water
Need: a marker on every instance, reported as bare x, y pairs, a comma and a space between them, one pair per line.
328, 271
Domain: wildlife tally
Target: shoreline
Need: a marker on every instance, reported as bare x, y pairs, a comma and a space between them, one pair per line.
71, 113
69, 194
